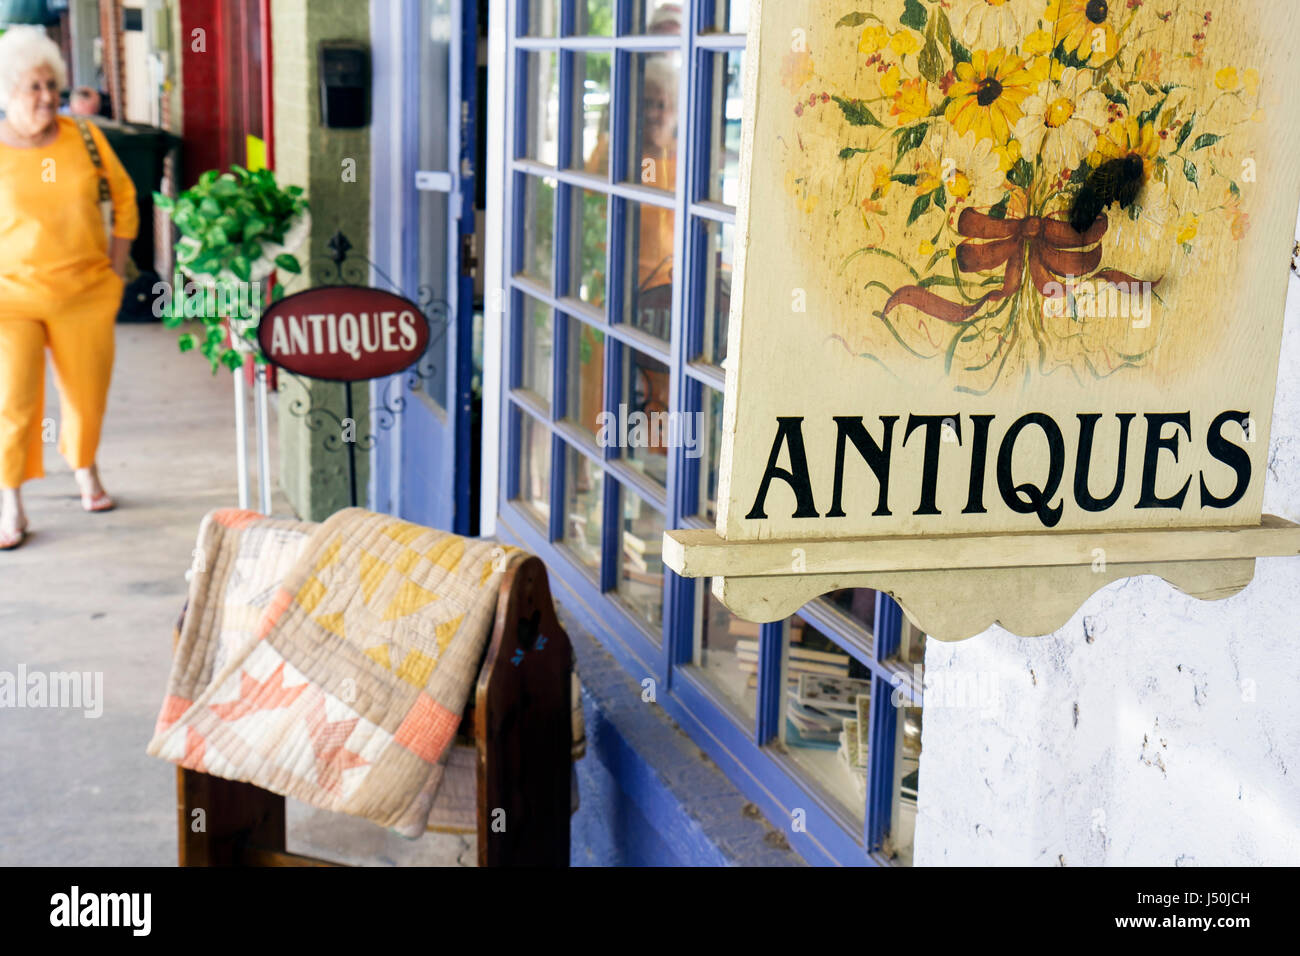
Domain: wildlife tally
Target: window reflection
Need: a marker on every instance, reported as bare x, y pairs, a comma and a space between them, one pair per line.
657, 17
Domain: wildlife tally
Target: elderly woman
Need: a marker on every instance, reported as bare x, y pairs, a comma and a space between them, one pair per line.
61, 278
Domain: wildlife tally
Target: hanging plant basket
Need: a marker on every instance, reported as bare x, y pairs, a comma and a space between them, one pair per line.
236, 229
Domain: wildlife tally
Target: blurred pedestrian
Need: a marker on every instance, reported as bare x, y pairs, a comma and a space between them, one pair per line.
61, 273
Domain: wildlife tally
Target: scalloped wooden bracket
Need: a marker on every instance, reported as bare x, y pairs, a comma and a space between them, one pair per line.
956, 586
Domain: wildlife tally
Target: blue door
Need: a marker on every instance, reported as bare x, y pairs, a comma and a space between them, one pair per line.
424, 463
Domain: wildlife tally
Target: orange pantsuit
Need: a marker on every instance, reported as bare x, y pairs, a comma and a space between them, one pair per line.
57, 291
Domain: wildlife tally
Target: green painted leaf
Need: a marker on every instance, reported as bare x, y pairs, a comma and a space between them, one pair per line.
852, 20
1185, 132
848, 152
1204, 140
910, 138
914, 15
856, 112
1149, 116
1234, 189
1190, 171
1022, 173
959, 53
1068, 58
907, 179
288, 263
940, 198
930, 62
942, 29
999, 209
919, 207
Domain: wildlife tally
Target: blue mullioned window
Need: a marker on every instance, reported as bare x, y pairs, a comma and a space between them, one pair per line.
623, 141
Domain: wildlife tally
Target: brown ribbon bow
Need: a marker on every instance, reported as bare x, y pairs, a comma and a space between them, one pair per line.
1056, 251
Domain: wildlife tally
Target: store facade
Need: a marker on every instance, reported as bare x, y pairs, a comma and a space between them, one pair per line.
586, 342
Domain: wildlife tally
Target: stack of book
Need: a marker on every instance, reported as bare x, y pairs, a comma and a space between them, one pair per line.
817, 709
646, 554
801, 658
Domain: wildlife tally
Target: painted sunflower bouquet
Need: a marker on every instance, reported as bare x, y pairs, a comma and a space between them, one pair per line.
1037, 172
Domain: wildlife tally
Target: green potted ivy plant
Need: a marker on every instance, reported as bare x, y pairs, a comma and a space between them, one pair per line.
236, 229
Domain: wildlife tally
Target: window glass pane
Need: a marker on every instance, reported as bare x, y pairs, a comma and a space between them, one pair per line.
592, 112
658, 17
595, 18
584, 483
536, 342
590, 242
907, 766
586, 376
726, 651
646, 396
724, 136
542, 108
641, 579
911, 645
539, 228
857, 603
433, 277
826, 712
711, 437
534, 468
731, 16
650, 269
720, 240
543, 18
652, 151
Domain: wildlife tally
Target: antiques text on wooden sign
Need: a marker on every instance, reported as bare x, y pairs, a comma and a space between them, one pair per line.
1027, 249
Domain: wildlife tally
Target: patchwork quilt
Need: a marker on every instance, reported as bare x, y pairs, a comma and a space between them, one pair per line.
330, 662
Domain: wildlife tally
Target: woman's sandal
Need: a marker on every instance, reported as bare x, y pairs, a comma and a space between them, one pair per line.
11, 540
100, 502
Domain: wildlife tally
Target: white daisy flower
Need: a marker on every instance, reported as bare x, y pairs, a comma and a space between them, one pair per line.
996, 24
1061, 120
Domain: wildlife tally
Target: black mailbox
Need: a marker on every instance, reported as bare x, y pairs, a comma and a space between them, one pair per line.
344, 69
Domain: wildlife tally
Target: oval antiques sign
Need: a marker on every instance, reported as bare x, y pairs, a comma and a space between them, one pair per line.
1007, 305
344, 333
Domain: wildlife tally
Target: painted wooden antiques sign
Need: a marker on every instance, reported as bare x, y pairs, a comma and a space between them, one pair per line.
1008, 304
343, 333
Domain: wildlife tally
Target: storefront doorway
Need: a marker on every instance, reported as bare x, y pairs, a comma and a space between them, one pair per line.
427, 204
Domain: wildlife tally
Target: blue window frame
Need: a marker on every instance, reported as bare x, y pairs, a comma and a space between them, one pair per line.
623, 129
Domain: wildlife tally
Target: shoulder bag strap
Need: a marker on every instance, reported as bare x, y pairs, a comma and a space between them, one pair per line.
84, 128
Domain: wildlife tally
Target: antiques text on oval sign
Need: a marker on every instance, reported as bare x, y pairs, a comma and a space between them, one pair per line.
344, 333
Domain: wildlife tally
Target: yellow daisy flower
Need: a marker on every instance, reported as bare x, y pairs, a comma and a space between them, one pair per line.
1124, 138
1086, 27
987, 94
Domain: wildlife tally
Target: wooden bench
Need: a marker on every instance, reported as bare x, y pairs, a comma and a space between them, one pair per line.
520, 724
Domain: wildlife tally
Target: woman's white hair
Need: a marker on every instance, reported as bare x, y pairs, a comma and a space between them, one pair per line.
23, 49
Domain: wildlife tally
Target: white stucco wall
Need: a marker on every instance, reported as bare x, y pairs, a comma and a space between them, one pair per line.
1154, 729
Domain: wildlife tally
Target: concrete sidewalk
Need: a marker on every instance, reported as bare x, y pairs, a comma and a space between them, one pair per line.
101, 593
